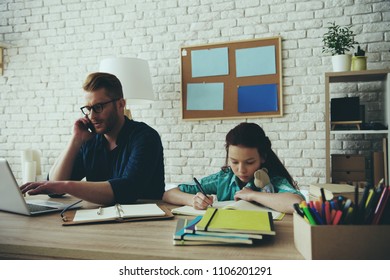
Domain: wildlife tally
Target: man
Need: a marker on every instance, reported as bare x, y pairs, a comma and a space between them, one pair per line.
122, 160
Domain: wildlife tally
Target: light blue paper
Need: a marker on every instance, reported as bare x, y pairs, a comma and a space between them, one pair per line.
205, 96
210, 62
255, 61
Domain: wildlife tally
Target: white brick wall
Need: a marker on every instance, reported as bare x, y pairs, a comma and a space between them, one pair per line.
52, 45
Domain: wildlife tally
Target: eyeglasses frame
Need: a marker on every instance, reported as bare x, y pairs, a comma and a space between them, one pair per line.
93, 107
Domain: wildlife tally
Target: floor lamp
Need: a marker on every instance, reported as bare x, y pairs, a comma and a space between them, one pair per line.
134, 75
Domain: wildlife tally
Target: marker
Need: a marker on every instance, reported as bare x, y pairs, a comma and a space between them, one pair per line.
318, 206
337, 217
307, 213
317, 217
327, 213
332, 215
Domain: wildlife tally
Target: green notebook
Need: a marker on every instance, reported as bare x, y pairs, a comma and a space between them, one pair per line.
243, 221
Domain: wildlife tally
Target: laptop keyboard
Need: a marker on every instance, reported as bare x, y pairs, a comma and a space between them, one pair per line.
38, 208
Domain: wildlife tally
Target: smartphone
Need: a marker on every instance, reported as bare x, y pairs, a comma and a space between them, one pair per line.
90, 127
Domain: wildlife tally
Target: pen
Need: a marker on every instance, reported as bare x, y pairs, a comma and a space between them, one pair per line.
347, 205
298, 210
100, 211
323, 195
201, 189
348, 218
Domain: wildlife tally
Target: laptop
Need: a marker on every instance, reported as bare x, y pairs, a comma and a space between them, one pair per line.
12, 199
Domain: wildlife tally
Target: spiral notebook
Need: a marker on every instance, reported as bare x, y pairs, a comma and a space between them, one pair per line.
118, 213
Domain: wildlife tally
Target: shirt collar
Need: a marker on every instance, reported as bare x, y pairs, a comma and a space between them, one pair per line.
125, 130
234, 182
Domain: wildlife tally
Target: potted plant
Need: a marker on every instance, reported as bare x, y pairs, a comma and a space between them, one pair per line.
338, 40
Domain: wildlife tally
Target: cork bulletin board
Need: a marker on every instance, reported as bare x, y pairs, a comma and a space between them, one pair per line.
239, 79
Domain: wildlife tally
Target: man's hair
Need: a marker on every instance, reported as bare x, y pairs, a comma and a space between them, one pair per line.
109, 82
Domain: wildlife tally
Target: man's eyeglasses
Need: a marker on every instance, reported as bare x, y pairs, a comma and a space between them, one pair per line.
97, 108
63, 217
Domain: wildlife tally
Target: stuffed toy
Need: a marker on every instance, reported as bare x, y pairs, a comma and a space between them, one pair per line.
262, 181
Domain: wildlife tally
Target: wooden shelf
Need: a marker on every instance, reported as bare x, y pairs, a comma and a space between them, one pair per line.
357, 76
382, 75
359, 132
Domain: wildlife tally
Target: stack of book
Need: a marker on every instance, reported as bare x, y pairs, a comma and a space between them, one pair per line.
224, 226
232, 205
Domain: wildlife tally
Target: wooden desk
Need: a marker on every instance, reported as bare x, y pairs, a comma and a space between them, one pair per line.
44, 237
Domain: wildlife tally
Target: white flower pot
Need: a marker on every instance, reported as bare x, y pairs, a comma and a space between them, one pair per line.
341, 62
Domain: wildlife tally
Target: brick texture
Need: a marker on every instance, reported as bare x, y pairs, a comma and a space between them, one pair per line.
51, 46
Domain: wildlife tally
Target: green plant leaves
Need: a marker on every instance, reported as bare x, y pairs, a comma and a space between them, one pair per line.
338, 40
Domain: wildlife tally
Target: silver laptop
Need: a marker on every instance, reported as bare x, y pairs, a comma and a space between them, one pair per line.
12, 199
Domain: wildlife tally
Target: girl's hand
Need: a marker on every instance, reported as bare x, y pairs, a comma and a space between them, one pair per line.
201, 202
244, 194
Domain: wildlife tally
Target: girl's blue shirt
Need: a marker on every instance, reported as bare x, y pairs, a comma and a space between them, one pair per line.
224, 185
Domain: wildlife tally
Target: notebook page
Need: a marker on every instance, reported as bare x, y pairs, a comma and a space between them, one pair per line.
141, 210
92, 214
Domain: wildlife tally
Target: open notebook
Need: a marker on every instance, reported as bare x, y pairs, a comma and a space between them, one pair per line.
118, 213
231, 204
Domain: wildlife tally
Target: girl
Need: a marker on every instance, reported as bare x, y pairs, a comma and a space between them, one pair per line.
248, 150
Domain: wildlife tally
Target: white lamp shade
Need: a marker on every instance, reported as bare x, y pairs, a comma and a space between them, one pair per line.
134, 75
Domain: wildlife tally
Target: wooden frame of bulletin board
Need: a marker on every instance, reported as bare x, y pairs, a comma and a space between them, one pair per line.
239, 79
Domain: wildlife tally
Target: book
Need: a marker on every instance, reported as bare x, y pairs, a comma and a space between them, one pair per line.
195, 242
230, 204
190, 228
333, 190
183, 224
118, 213
180, 234
239, 221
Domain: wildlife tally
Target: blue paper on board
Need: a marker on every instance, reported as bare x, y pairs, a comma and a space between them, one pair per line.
258, 98
255, 61
210, 62
205, 96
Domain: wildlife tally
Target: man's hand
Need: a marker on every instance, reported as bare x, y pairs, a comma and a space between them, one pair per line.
80, 129
43, 187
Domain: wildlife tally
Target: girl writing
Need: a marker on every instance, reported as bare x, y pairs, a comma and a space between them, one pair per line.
252, 172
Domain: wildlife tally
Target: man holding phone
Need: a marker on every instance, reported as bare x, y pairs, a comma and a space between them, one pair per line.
121, 159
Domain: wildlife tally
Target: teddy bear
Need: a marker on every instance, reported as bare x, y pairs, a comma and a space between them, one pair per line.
262, 181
